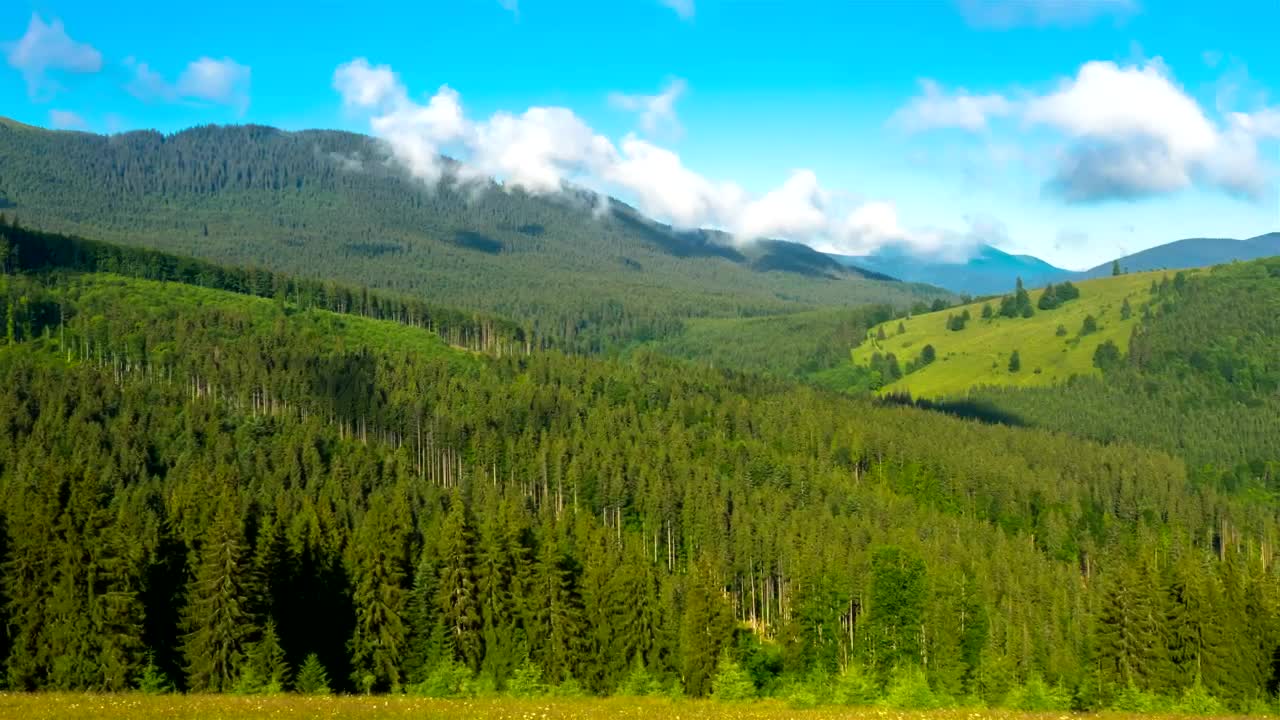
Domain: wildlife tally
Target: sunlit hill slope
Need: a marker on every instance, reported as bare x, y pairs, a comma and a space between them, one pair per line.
1052, 344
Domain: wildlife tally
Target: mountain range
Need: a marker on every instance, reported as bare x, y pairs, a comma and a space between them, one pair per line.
589, 270
989, 270
301, 201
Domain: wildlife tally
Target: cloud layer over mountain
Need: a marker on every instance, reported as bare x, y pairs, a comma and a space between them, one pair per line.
543, 148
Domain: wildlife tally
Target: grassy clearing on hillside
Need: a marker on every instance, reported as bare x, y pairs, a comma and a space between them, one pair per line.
71, 706
979, 354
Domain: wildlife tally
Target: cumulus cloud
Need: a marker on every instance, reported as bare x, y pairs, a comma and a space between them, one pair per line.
1127, 132
683, 8
935, 108
224, 82
1006, 14
209, 80
657, 112
66, 120
1134, 132
45, 47
543, 150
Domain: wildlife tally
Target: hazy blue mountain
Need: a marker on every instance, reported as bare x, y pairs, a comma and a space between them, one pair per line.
990, 270
986, 272
1194, 252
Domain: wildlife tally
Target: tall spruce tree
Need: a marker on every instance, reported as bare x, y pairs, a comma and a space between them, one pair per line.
217, 622
378, 643
457, 602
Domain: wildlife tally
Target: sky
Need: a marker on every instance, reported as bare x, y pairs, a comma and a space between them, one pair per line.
1073, 130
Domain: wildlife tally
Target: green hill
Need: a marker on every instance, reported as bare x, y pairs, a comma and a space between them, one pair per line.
215, 485
331, 205
979, 354
1200, 379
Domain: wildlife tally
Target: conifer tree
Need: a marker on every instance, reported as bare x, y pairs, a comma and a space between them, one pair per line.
378, 642
265, 662
312, 678
497, 615
457, 603
152, 680
731, 683
424, 642
897, 608
704, 631
216, 619
556, 634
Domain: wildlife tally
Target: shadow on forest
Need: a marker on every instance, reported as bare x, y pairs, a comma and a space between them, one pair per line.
476, 241
983, 411
795, 258
345, 385
680, 243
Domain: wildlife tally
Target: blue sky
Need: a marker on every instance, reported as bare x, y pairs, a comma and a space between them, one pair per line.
1075, 130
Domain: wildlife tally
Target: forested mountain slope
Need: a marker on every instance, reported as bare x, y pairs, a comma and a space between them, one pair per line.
216, 478
333, 205
1200, 378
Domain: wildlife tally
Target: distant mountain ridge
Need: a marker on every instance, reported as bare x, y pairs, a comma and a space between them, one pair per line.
592, 271
1194, 252
990, 270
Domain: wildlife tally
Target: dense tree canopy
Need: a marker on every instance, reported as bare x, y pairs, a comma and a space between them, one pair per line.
199, 476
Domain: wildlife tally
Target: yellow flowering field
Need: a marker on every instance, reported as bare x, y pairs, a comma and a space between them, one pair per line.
73, 706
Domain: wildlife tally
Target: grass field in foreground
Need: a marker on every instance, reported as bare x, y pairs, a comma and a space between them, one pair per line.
71, 706
979, 354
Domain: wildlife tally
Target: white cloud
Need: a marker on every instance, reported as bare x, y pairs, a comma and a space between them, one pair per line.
937, 109
798, 208
1263, 123
1005, 14
1106, 100
542, 149
683, 8
221, 82
66, 120
657, 112
537, 150
665, 188
1133, 132
224, 82
364, 86
46, 47
1127, 131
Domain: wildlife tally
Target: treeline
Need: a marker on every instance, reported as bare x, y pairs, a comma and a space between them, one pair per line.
1019, 303
24, 250
216, 489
